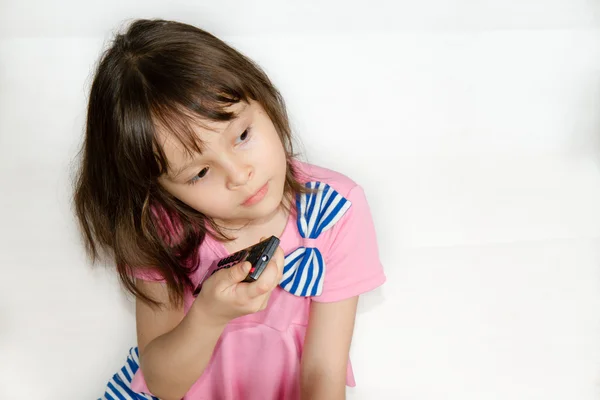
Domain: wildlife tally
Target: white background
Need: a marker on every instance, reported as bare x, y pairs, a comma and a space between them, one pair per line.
474, 127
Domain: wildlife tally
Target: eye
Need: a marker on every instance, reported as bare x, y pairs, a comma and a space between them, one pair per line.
199, 175
244, 136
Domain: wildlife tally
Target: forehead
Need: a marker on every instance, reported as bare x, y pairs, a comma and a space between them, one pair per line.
199, 124
184, 136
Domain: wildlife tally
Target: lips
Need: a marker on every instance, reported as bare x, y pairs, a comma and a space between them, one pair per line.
256, 197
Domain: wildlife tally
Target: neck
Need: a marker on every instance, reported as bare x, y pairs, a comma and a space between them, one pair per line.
250, 232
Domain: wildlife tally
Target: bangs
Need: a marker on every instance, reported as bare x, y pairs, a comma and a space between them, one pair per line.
187, 100
178, 123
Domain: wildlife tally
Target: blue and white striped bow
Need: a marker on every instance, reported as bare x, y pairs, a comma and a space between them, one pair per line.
304, 268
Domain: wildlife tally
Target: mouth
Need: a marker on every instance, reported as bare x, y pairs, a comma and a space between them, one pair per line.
258, 196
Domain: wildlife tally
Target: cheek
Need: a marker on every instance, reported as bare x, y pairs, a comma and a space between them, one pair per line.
281, 160
276, 151
208, 199
266, 152
208, 202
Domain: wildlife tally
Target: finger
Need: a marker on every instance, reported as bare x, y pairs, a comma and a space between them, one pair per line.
265, 282
259, 303
279, 260
271, 275
237, 273
265, 302
255, 289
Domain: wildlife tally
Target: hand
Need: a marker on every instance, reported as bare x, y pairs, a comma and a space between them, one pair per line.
224, 296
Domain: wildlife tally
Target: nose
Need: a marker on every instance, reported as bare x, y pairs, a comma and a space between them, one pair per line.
238, 174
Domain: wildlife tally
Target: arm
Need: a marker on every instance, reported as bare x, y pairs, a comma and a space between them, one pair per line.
326, 350
174, 349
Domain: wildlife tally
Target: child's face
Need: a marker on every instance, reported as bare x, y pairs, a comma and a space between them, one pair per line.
240, 175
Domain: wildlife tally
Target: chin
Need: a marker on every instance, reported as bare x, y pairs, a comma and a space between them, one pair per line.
270, 203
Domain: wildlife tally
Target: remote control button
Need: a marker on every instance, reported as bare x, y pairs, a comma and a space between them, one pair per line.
265, 258
224, 261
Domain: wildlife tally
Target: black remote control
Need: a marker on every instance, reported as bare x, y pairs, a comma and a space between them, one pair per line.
258, 255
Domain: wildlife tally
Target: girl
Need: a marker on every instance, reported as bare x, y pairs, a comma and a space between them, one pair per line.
188, 158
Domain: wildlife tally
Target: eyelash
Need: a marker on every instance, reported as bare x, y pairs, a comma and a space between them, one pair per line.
247, 133
197, 178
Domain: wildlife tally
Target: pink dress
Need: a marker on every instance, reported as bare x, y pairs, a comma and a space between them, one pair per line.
331, 255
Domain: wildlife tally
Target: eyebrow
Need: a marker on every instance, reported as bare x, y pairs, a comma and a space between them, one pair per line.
190, 163
179, 171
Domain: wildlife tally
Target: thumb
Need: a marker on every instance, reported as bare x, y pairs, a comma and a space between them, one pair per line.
238, 272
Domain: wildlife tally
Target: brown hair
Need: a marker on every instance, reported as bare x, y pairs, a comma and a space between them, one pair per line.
159, 73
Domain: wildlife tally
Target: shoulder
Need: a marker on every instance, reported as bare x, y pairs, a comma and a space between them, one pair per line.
337, 222
339, 205
336, 180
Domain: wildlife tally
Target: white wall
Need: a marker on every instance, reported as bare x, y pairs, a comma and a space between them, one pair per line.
473, 126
